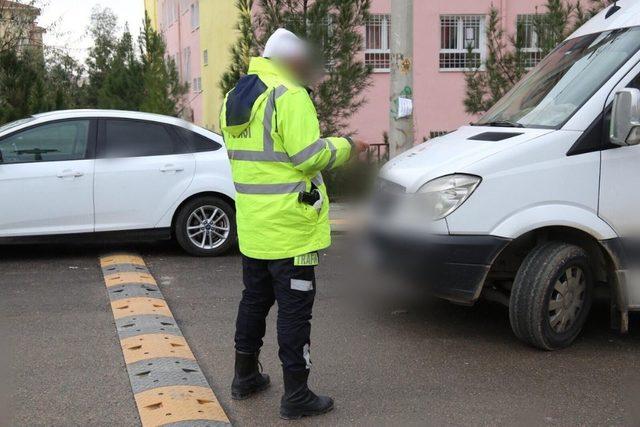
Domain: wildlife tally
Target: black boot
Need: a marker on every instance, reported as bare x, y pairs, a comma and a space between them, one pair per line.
298, 401
247, 379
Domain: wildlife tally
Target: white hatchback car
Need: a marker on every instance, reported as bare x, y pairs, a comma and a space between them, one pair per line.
115, 175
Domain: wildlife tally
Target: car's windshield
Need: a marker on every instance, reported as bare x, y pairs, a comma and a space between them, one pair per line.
565, 80
14, 124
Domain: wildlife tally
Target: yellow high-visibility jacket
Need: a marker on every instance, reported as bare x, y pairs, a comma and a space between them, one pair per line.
272, 134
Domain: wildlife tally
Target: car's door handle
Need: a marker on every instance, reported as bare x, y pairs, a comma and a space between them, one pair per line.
171, 168
68, 173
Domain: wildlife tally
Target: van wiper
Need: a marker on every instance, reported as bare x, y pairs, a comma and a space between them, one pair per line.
502, 124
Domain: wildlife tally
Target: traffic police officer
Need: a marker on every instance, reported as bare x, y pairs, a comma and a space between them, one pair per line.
272, 135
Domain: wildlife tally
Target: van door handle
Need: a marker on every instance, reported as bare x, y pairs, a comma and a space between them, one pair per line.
171, 168
68, 173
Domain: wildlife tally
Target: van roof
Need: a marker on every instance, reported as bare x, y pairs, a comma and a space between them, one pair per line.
627, 16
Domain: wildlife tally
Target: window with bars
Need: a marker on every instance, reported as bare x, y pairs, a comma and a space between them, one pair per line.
527, 30
437, 133
462, 42
377, 51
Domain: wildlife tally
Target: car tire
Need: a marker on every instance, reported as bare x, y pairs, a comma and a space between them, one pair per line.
201, 222
551, 295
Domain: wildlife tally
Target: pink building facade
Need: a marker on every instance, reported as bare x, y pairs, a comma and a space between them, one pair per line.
443, 29
179, 23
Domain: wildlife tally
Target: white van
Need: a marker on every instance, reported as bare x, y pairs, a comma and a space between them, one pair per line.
540, 200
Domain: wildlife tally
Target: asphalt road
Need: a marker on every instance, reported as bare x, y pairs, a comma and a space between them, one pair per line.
388, 354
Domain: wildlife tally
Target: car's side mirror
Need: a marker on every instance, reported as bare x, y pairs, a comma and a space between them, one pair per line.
625, 118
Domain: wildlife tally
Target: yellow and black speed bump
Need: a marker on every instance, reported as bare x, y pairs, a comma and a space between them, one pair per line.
168, 385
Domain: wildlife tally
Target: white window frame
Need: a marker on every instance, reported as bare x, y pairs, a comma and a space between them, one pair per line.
528, 20
184, 6
169, 13
195, 15
174, 11
385, 49
197, 84
187, 64
461, 41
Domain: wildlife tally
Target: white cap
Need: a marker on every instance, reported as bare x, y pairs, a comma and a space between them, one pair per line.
283, 44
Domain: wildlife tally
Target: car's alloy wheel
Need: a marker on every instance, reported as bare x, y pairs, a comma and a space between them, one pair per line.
208, 227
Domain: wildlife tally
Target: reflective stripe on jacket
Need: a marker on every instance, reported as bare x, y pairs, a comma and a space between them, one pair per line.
272, 134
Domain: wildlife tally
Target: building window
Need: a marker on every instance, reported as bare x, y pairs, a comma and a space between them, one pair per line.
186, 55
184, 6
197, 84
462, 42
174, 59
437, 133
169, 13
205, 57
377, 51
324, 33
195, 15
528, 37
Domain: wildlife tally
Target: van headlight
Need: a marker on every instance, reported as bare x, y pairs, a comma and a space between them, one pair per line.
446, 194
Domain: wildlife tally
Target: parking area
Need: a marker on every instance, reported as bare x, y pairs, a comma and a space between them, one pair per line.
388, 354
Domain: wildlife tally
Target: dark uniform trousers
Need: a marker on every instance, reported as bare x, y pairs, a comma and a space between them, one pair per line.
294, 288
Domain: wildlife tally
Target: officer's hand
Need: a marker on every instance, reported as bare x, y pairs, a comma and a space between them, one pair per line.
360, 146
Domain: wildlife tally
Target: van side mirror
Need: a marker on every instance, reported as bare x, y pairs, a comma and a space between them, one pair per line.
625, 118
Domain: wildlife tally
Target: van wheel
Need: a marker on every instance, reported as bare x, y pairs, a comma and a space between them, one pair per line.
206, 226
551, 295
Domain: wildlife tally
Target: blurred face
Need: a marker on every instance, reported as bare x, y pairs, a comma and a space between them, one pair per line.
303, 69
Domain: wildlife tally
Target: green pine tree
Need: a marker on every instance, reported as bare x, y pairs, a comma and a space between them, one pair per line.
163, 91
506, 60
121, 88
64, 78
582, 14
555, 23
22, 88
504, 66
103, 30
334, 26
123, 76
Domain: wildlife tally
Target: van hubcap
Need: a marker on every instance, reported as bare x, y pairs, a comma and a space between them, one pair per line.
208, 227
567, 299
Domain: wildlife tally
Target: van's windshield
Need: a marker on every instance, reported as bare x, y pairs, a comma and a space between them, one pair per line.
551, 93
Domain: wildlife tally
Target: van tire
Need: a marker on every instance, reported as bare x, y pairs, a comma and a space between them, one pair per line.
546, 269
184, 219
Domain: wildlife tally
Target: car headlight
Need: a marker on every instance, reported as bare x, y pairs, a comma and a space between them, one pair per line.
446, 194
